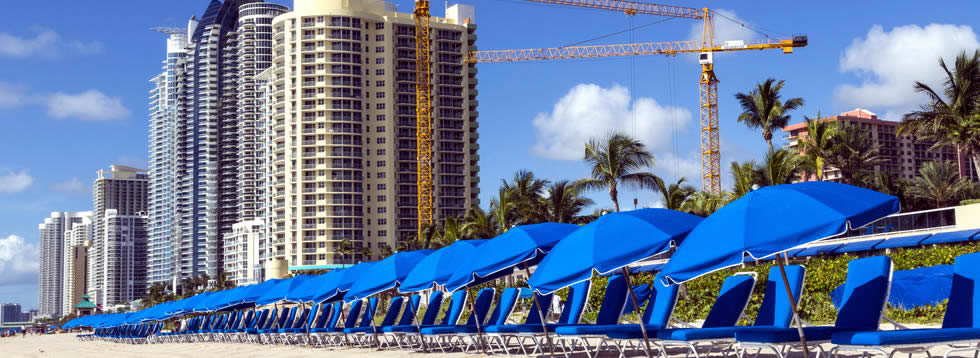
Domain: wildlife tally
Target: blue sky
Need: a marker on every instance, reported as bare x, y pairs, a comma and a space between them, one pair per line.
74, 84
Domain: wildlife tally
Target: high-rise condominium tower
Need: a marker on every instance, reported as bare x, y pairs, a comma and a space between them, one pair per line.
123, 257
162, 231
341, 153
52, 268
78, 238
123, 191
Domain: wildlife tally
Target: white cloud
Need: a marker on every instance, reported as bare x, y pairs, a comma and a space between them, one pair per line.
18, 261
673, 166
15, 182
91, 104
889, 63
45, 43
727, 26
589, 110
42, 44
72, 186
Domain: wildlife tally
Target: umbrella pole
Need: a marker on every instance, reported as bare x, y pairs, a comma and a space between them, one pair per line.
418, 325
374, 326
636, 306
792, 303
544, 325
476, 318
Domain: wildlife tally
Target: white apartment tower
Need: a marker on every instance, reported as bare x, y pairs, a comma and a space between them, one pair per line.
124, 191
123, 257
341, 135
52, 256
162, 229
78, 237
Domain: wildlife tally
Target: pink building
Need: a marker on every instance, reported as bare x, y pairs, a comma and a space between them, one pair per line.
904, 155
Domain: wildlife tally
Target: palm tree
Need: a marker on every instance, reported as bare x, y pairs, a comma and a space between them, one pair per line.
222, 282
853, 152
887, 183
478, 225
502, 209
744, 176
703, 203
345, 248
763, 108
817, 144
563, 202
365, 253
617, 160
779, 167
525, 191
940, 183
451, 231
384, 251
675, 194
953, 120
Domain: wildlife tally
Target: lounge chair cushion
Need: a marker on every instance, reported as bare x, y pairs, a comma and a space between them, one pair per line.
367, 329
693, 334
602, 330
782, 335
519, 328
907, 336
449, 329
326, 330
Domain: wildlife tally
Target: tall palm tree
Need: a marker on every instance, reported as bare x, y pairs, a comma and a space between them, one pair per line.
703, 203
887, 183
940, 183
452, 230
953, 118
477, 224
563, 202
853, 152
779, 167
526, 190
502, 209
817, 144
222, 282
764, 108
618, 160
744, 176
675, 194
346, 247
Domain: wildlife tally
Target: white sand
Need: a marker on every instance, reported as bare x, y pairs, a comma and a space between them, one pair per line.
66, 345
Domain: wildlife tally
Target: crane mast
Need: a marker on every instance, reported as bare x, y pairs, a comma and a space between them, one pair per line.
423, 116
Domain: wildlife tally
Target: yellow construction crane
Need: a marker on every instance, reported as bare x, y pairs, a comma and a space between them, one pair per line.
423, 116
710, 151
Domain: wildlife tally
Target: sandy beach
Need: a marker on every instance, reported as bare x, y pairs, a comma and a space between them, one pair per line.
66, 345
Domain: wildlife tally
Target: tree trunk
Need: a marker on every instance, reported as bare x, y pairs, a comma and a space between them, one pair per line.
976, 162
614, 195
767, 135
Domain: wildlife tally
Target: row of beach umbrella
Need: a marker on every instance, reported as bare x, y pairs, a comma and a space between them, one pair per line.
760, 225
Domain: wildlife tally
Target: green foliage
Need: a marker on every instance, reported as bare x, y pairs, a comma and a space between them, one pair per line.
970, 202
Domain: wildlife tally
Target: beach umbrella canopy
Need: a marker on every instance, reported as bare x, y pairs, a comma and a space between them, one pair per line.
439, 266
309, 289
385, 274
253, 292
611, 242
336, 287
772, 220
279, 291
520, 244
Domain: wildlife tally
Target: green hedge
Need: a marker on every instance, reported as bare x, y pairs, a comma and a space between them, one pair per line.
824, 274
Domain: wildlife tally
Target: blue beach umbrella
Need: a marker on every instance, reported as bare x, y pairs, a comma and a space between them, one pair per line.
253, 292
439, 266
385, 274
498, 256
339, 285
308, 290
611, 242
279, 291
772, 220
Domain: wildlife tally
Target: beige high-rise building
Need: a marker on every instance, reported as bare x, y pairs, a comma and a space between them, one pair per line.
78, 238
341, 128
124, 191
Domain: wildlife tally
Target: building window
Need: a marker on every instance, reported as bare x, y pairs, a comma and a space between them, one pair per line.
379, 37
381, 164
382, 210
381, 175
380, 72
380, 129
380, 117
382, 187
381, 106
380, 83
379, 95
382, 221
381, 141
379, 61
382, 233
382, 198
379, 26
379, 49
